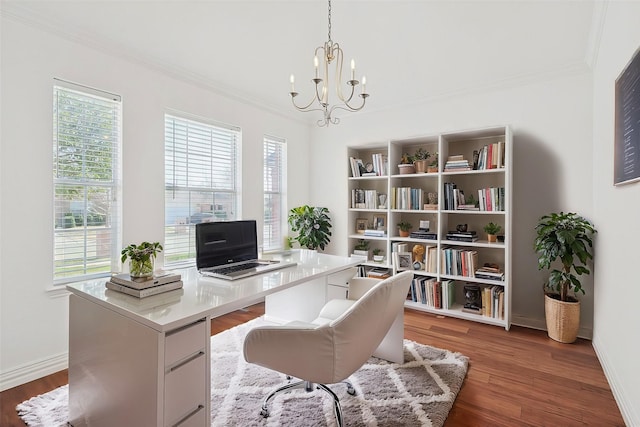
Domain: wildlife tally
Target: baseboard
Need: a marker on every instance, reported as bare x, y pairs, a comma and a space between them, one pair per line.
540, 324
32, 371
629, 414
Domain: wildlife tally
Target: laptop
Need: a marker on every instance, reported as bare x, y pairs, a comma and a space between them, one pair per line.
229, 250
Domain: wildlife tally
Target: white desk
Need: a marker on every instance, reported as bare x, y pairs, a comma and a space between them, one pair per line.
145, 362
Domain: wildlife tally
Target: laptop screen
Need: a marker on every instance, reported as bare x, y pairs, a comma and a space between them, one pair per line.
225, 242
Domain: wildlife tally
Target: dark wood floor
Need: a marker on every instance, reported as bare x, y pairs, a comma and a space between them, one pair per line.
515, 378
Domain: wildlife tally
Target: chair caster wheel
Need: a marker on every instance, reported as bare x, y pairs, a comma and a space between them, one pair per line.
264, 413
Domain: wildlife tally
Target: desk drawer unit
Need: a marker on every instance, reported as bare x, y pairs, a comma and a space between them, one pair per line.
185, 375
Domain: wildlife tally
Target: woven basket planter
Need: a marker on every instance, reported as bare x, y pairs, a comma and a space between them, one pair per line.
563, 319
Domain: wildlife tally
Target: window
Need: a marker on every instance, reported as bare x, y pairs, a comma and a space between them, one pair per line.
274, 194
86, 174
201, 181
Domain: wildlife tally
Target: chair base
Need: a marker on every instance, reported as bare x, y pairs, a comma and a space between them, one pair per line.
308, 386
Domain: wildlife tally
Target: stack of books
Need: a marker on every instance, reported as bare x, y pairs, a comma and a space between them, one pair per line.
423, 234
159, 283
456, 163
374, 233
490, 273
462, 236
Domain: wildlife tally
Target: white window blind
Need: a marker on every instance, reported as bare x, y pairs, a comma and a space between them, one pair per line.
274, 194
201, 181
86, 173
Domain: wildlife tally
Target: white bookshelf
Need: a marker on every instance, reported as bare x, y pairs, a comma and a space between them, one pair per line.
441, 220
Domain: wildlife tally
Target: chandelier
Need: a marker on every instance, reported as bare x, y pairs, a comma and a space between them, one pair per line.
328, 53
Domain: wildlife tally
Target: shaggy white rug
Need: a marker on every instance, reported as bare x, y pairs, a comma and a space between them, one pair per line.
419, 392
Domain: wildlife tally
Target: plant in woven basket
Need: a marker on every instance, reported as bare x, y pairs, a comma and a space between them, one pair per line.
564, 237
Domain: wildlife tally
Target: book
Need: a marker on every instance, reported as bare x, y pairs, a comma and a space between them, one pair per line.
147, 292
159, 278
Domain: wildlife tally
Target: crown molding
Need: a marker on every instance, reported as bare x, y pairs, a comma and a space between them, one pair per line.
26, 16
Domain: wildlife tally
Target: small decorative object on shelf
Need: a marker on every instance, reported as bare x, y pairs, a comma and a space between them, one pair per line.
378, 256
420, 160
403, 228
492, 230
433, 166
141, 258
406, 165
361, 248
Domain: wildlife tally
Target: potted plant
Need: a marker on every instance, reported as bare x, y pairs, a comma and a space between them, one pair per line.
564, 237
406, 165
361, 248
433, 166
492, 229
312, 225
420, 160
141, 258
403, 228
378, 256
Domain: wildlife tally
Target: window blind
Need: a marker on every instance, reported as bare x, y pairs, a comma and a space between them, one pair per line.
274, 195
201, 181
86, 173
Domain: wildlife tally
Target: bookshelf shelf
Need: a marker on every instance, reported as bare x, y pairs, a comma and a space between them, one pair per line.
404, 195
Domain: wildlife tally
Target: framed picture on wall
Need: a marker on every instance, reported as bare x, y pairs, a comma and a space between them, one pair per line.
626, 166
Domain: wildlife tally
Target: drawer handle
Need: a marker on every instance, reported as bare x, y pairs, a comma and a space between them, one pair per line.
182, 328
189, 415
184, 362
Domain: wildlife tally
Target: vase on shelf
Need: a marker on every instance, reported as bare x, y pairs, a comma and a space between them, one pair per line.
406, 169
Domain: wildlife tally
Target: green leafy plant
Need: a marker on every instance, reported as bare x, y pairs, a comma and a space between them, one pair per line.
434, 162
492, 228
406, 159
377, 251
405, 226
141, 258
565, 237
421, 154
312, 225
362, 245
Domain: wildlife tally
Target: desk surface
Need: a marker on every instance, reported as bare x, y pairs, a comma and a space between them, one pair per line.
205, 296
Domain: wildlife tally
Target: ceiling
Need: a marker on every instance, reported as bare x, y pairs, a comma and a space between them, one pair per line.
410, 51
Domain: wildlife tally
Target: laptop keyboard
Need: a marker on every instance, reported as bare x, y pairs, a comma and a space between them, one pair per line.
234, 268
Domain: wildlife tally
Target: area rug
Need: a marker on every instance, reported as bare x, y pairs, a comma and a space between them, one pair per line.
419, 392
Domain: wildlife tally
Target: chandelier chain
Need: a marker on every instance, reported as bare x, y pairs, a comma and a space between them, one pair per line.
329, 34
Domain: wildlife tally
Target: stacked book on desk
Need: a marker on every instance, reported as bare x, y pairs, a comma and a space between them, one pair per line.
141, 288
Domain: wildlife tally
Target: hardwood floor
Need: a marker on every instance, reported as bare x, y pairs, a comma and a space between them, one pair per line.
515, 378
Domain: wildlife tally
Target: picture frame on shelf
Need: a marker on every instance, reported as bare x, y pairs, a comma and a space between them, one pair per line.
379, 222
361, 225
404, 261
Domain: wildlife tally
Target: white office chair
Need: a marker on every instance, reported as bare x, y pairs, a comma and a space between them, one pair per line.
335, 345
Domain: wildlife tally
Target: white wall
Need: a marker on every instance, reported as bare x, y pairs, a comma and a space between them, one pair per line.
551, 123
33, 322
617, 316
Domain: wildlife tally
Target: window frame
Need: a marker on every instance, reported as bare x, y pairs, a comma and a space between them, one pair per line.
278, 241
113, 215
179, 215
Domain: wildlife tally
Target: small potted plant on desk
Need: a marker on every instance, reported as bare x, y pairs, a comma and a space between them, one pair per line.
492, 229
403, 228
565, 237
141, 258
